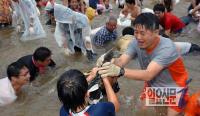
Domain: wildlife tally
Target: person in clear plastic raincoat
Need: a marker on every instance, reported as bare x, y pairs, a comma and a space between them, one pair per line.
26, 11
72, 30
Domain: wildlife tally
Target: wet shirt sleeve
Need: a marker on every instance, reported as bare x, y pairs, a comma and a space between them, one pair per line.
131, 50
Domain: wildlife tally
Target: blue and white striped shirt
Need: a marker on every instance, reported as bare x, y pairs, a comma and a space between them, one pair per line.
104, 36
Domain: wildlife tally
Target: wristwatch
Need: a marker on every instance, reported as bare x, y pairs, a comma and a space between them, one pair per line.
121, 73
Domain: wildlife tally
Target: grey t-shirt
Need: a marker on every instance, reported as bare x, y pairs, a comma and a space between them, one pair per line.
167, 56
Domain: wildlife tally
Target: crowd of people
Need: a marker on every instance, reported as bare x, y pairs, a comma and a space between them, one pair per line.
159, 55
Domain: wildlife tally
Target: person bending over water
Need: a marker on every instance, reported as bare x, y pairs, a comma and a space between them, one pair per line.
18, 75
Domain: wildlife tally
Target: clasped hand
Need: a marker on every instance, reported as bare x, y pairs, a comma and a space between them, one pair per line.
109, 69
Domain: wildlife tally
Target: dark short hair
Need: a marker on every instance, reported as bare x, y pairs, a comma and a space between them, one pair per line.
159, 7
130, 1
13, 69
168, 5
148, 20
41, 54
72, 87
128, 31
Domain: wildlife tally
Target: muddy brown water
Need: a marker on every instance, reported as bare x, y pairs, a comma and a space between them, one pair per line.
40, 97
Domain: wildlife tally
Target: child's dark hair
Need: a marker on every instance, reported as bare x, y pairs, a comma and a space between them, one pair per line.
159, 7
130, 1
128, 31
148, 20
72, 87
